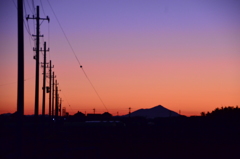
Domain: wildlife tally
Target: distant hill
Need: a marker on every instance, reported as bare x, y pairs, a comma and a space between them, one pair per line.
157, 111
6, 114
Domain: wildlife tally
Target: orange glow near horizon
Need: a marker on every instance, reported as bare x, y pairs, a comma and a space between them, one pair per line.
135, 55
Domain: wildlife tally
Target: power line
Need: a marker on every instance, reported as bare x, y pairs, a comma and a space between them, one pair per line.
77, 58
64, 33
14, 3
42, 8
7, 83
27, 28
33, 6
48, 24
15, 82
94, 88
67, 100
30, 7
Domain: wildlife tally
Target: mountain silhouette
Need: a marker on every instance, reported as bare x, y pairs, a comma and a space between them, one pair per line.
155, 112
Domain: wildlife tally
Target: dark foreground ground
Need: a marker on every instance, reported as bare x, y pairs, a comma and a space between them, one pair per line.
159, 139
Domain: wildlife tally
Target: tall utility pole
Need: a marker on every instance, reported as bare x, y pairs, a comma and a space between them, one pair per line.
56, 103
20, 84
50, 87
36, 57
53, 94
20, 87
44, 78
60, 107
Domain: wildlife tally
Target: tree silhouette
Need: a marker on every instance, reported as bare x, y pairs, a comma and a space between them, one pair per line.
203, 114
230, 112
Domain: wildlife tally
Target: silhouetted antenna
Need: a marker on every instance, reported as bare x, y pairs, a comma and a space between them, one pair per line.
129, 111
94, 110
64, 110
37, 49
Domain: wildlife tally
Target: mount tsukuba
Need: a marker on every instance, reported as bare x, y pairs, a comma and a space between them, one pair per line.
155, 112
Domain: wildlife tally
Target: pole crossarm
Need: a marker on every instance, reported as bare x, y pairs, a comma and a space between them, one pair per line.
44, 50
37, 36
33, 17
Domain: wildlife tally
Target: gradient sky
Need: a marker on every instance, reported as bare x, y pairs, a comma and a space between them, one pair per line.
184, 55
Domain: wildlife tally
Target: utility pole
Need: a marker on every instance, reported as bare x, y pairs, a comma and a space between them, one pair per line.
44, 79
20, 87
53, 93
36, 57
94, 110
50, 86
56, 103
60, 107
20, 84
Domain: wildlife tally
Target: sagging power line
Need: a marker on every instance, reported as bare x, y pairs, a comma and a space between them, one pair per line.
84, 72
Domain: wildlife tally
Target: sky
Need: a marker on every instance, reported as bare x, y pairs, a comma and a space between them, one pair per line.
183, 55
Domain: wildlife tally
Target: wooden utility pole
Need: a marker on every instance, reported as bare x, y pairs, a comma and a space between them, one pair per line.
36, 57
44, 78
56, 103
53, 93
20, 86
50, 87
60, 107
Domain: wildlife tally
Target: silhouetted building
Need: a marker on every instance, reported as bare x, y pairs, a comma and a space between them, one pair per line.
106, 116
94, 116
79, 116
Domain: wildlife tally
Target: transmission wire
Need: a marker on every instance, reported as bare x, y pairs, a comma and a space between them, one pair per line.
77, 57
42, 8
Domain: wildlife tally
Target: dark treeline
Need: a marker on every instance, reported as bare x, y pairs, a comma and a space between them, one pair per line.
224, 112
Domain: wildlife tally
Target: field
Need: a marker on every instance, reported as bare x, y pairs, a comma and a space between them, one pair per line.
175, 138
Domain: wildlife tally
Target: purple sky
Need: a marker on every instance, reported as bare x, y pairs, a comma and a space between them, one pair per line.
184, 55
